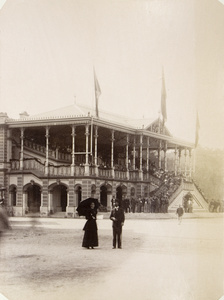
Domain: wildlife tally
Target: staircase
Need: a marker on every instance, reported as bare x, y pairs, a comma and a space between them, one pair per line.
199, 202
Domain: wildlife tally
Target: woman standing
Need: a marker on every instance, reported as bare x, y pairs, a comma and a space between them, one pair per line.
90, 239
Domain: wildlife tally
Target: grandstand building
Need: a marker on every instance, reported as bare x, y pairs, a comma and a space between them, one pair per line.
50, 162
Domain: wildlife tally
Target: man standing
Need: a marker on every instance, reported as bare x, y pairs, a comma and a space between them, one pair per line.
117, 216
180, 212
112, 202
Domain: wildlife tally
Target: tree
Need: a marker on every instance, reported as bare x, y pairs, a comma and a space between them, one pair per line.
209, 172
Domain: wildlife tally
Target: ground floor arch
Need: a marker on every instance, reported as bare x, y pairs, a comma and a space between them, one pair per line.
103, 195
33, 200
121, 192
59, 198
12, 195
78, 194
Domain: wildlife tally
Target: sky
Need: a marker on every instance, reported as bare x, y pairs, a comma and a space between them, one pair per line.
48, 49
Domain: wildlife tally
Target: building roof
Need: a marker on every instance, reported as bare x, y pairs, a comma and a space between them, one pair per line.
84, 111
77, 112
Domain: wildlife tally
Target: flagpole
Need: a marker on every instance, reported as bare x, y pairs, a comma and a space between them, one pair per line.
91, 137
159, 112
163, 100
194, 161
97, 92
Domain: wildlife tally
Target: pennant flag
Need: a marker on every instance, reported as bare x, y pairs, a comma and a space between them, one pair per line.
97, 92
163, 100
197, 131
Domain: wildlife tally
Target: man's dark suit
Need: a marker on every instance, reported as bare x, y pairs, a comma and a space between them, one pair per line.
117, 216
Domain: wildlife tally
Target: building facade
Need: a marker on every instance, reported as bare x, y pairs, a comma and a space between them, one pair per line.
50, 162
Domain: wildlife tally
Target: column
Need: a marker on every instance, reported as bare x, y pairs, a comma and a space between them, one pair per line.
73, 150
165, 156
25, 203
185, 162
190, 163
134, 144
50, 203
95, 155
41, 199
112, 153
159, 155
140, 157
47, 150
179, 160
87, 152
147, 155
21, 150
127, 169
175, 161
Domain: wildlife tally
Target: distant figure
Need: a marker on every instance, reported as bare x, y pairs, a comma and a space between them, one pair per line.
90, 239
112, 202
180, 212
117, 216
4, 222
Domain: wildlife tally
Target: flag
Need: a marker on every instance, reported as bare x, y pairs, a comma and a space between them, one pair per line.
197, 131
163, 100
97, 92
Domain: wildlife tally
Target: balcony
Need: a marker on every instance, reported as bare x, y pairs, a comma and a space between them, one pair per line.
35, 165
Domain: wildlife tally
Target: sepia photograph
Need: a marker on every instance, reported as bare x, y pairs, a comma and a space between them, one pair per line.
111, 149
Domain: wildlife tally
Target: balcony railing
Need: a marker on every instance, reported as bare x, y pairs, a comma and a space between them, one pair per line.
105, 173
133, 175
33, 164
65, 170
59, 170
52, 154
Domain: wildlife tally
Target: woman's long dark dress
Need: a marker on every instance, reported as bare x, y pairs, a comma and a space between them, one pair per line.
90, 238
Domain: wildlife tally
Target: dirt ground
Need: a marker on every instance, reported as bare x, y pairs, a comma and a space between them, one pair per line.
43, 259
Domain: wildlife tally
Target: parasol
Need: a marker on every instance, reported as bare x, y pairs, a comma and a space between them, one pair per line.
84, 205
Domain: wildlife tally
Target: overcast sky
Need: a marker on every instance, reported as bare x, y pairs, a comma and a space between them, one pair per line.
48, 49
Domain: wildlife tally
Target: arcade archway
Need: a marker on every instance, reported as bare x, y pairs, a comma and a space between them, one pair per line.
103, 195
121, 191
33, 198
59, 198
78, 194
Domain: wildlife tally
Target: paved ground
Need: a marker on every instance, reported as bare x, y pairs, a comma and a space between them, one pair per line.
43, 259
